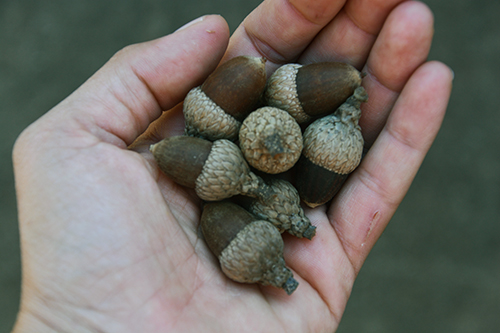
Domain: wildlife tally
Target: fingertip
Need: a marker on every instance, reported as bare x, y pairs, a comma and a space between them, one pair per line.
434, 76
213, 24
434, 80
219, 19
416, 11
142, 80
439, 70
420, 109
402, 45
417, 8
177, 62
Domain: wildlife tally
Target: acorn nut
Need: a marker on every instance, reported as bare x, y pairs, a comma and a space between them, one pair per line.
215, 170
215, 109
283, 210
311, 91
333, 146
249, 250
271, 140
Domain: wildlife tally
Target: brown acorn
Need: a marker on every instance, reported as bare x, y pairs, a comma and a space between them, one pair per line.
271, 140
215, 170
249, 250
283, 210
311, 91
333, 146
215, 109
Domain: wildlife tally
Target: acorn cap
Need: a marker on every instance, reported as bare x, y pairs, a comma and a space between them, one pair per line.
249, 250
205, 119
281, 92
226, 173
335, 142
284, 210
311, 91
271, 140
256, 255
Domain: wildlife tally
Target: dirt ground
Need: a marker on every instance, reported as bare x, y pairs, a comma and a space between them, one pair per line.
437, 266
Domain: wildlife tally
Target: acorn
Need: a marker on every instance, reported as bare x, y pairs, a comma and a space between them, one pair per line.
270, 140
249, 250
333, 146
283, 210
216, 170
311, 91
215, 109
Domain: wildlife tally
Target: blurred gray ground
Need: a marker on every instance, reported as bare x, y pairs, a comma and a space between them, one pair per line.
437, 266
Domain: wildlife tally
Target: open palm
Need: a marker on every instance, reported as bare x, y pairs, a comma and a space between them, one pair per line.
111, 244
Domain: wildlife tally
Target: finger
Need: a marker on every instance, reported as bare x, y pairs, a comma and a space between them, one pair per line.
277, 30
350, 36
322, 263
280, 30
362, 209
372, 193
122, 98
402, 45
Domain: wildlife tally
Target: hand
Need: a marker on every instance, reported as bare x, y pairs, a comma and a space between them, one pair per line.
111, 244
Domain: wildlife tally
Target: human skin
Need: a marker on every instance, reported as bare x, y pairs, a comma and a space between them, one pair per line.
110, 244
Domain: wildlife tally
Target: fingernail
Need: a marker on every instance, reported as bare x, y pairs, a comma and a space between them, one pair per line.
193, 22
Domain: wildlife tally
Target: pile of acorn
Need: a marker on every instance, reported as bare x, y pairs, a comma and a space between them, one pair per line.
240, 130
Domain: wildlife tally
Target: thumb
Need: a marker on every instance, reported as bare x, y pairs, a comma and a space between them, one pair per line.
130, 91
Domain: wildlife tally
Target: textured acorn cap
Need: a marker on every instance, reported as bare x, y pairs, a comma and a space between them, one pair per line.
226, 173
256, 255
205, 119
281, 92
284, 210
271, 140
335, 142
313, 90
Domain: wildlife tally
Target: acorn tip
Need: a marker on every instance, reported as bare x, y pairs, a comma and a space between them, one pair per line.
310, 232
290, 285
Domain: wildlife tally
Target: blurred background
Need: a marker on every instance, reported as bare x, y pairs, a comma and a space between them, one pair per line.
437, 266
